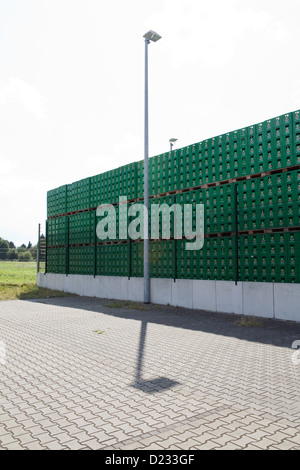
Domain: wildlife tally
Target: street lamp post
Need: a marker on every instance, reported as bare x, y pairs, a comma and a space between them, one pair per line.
172, 141
149, 36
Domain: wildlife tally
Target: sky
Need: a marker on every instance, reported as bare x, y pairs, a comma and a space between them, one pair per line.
72, 86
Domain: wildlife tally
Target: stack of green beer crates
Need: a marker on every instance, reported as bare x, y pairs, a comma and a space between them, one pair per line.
57, 201
82, 228
113, 259
57, 231
81, 260
248, 181
270, 257
57, 260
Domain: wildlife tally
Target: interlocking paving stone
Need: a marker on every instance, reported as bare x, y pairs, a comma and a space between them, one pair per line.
158, 378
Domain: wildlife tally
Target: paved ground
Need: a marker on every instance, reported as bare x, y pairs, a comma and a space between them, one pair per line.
78, 374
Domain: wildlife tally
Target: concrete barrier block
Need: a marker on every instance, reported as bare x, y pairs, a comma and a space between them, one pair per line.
258, 299
50, 279
101, 287
125, 282
89, 286
78, 284
136, 289
69, 283
41, 280
270, 300
229, 297
287, 301
55, 281
117, 287
182, 293
161, 291
204, 295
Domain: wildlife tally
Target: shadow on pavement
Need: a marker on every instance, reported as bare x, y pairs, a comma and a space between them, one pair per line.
267, 331
153, 385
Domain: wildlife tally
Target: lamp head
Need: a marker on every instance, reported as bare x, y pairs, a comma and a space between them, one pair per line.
152, 36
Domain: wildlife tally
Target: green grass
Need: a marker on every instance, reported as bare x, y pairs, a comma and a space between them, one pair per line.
125, 304
248, 321
18, 281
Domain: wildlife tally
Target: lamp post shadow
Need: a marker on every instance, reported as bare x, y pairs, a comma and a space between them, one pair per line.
155, 385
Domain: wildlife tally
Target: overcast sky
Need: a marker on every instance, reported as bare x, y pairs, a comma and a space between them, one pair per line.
72, 86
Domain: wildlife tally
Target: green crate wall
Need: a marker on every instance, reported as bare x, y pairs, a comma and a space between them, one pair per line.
84, 194
97, 183
219, 207
113, 259
270, 257
215, 261
269, 145
57, 260
161, 258
158, 218
140, 178
269, 202
266, 202
81, 260
293, 256
72, 199
187, 261
107, 187
159, 228
292, 189
168, 176
57, 231
110, 219
176, 213
127, 181
57, 201
262, 203
296, 137
199, 164
154, 173
82, 228
137, 259
79, 195
274, 146
164, 172
218, 257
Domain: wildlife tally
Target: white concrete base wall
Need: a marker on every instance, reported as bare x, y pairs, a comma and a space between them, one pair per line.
270, 300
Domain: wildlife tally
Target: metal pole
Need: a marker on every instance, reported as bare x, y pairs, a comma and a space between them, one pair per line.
146, 187
68, 248
129, 248
175, 241
46, 244
38, 250
95, 242
236, 234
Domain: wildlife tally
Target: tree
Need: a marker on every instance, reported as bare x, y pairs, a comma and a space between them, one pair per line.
4, 248
25, 256
29, 245
33, 251
13, 254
